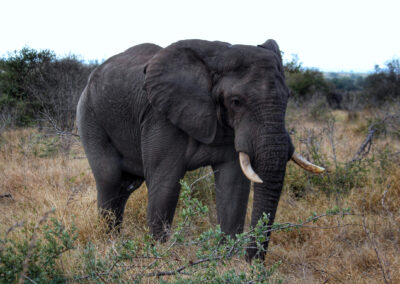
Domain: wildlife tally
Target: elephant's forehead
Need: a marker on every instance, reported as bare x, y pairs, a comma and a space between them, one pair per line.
245, 59
246, 83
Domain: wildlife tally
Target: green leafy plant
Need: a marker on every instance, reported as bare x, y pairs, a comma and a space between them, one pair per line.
209, 255
35, 257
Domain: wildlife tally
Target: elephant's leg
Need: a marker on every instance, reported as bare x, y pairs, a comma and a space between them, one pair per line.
163, 148
113, 184
163, 198
115, 201
113, 190
232, 193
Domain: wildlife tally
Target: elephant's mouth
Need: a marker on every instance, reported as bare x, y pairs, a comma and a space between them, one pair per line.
248, 171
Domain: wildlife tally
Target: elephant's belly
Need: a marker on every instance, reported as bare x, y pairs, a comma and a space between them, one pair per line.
133, 166
128, 145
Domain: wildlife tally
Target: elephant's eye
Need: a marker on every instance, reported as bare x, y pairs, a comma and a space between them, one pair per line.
236, 103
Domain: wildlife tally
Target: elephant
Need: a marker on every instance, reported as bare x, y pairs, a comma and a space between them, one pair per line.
152, 113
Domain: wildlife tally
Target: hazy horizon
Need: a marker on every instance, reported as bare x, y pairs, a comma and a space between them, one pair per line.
332, 36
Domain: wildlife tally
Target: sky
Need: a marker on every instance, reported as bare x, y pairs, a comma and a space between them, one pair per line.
335, 36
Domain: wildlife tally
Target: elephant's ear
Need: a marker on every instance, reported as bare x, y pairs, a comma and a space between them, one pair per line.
178, 85
274, 47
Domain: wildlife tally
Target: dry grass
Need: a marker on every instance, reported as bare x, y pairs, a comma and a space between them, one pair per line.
355, 249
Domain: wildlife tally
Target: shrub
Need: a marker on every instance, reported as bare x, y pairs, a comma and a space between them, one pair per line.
384, 84
17, 73
341, 176
37, 82
306, 83
33, 258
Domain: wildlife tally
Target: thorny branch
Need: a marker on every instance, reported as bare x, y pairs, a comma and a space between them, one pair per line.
5, 120
12, 228
365, 147
385, 273
235, 247
230, 252
56, 128
7, 195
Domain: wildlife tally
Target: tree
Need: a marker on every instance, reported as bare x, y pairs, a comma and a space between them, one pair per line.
306, 83
17, 73
384, 84
37, 83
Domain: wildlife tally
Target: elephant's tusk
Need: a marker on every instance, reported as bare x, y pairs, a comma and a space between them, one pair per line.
302, 162
247, 169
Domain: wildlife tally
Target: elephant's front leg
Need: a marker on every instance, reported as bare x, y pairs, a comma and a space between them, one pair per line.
163, 150
163, 195
232, 194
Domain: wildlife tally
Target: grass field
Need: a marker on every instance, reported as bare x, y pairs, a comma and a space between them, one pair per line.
40, 183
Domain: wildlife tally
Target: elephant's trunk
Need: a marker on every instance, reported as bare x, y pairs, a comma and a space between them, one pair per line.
270, 164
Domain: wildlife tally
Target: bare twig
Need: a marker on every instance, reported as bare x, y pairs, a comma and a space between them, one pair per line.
57, 129
6, 117
383, 200
385, 274
180, 269
12, 228
365, 147
312, 141
330, 130
325, 272
73, 194
201, 178
7, 195
29, 279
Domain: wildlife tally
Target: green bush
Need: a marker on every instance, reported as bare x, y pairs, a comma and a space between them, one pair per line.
384, 84
36, 255
34, 83
17, 74
305, 84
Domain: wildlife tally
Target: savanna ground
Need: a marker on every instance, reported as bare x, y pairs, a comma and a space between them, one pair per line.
47, 190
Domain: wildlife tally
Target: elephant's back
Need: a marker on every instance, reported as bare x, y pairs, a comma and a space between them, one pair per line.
135, 56
115, 97
115, 87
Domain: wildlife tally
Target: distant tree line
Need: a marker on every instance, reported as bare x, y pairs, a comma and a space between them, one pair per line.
384, 84
344, 91
37, 85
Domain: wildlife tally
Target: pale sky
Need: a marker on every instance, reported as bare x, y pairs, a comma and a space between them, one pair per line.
329, 35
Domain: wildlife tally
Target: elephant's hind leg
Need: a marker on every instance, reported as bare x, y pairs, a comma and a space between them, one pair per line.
114, 185
112, 205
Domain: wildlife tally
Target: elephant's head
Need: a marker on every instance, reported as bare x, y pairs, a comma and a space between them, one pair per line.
200, 84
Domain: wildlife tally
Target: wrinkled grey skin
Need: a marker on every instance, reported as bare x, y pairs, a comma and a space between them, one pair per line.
152, 114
